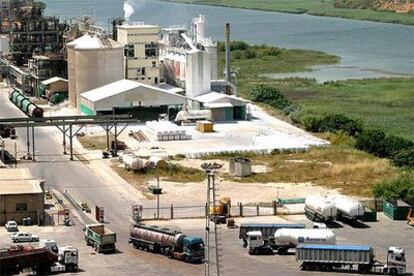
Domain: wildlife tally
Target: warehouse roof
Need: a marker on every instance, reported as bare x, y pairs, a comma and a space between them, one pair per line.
219, 100
119, 87
88, 42
18, 187
53, 80
15, 174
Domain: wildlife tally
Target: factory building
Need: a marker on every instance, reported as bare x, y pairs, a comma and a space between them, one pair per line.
21, 196
141, 50
223, 107
144, 101
93, 61
54, 89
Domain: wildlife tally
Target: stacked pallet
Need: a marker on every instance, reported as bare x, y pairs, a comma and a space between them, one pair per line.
166, 131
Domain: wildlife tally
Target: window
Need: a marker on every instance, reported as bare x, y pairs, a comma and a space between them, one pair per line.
129, 51
20, 207
143, 71
151, 50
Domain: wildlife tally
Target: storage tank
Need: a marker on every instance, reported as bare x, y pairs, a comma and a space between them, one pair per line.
289, 236
318, 208
197, 73
161, 236
199, 29
93, 61
35, 111
348, 207
132, 162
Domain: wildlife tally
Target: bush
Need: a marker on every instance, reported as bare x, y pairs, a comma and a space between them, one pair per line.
404, 158
333, 123
372, 141
237, 54
249, 54
239, 45
401, 187
271, 96
271, 51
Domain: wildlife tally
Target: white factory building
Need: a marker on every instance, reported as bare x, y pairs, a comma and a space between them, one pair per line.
126, 96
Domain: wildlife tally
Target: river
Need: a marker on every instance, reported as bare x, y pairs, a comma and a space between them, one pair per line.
367, 49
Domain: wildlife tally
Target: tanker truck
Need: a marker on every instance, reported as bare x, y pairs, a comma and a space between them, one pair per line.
286, 238
319, 209
334, 257
347, 208
171, 243
267, 230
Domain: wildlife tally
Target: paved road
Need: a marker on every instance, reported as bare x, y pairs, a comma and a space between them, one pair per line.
80, 180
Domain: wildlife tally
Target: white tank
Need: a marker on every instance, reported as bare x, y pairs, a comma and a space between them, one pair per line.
132, 162
287, 236
197, 73
321, 206
348, 206
199, 28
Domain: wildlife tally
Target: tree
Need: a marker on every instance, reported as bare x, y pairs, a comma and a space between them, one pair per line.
401, 187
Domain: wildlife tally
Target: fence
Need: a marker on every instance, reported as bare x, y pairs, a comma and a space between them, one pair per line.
200, 211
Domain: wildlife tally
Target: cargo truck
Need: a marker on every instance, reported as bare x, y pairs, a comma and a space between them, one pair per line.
267, 229
100, 238
329, 257
171, 243
16, 259
287, 238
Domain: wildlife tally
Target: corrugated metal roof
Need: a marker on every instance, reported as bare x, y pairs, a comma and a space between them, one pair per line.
53, 80
15, 174
336, 247
118, 87
213, 97
16, 187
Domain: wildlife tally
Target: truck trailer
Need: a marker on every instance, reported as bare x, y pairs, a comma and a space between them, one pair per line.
171, 243
287, 238
100, 238
267, 229
319, 209
329, 257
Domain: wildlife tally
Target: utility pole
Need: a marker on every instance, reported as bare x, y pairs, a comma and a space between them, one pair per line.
211, 230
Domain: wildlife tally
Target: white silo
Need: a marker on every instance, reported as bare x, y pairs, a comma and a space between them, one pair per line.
197, 73
93, 61
199, 29
4, 45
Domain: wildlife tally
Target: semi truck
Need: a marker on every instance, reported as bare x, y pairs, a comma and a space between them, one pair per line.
171, 243
330, 257
16, 259
100, 238
319, 209
286, 238
267, 230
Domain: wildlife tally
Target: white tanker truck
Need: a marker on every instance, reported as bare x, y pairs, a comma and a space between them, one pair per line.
320, 209
348, 208
286, 238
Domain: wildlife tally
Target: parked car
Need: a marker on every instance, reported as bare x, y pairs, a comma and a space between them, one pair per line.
24, 237
11, 226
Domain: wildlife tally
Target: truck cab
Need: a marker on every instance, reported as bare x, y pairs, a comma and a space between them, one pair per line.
396, 263
256, 244
193, 249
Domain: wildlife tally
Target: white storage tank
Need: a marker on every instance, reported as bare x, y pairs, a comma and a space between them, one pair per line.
132, 162
290, 236
199, 28
197, 73
348, 207
93, 61
318, 208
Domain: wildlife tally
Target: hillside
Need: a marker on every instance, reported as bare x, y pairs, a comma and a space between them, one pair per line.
397, 6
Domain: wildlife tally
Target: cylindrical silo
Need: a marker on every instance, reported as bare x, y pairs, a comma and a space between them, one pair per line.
93, 61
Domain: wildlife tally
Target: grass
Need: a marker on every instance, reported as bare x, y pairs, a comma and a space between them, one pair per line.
313, 7
97, 142
386, 104
338, 167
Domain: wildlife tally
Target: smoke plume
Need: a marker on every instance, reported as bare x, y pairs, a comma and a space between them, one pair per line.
128, 10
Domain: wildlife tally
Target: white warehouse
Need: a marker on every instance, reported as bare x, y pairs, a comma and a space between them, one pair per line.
126, 96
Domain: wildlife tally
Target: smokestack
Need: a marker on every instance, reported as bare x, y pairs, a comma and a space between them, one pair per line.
227, 35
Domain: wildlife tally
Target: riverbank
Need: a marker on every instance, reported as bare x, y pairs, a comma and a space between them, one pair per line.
311, 7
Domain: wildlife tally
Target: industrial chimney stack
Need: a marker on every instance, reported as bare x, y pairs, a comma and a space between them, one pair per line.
227, 35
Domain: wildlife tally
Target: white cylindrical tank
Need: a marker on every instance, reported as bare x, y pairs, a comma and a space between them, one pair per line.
347, 206
290, 236
93, 61
321, 206
199, 28
197, 73
132, 162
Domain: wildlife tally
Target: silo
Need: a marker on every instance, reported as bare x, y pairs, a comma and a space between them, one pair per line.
197, 73
93, 61
199, 29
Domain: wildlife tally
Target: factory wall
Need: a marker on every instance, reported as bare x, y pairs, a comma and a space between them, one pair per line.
197, 73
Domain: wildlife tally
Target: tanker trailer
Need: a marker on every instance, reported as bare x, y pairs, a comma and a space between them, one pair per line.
286, 238
319, 209
171, 243
348, 208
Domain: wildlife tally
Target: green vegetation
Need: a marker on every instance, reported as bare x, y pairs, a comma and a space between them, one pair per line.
97, 142
331, 8
401, 186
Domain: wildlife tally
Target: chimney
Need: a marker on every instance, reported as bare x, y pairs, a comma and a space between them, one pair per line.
227, 45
